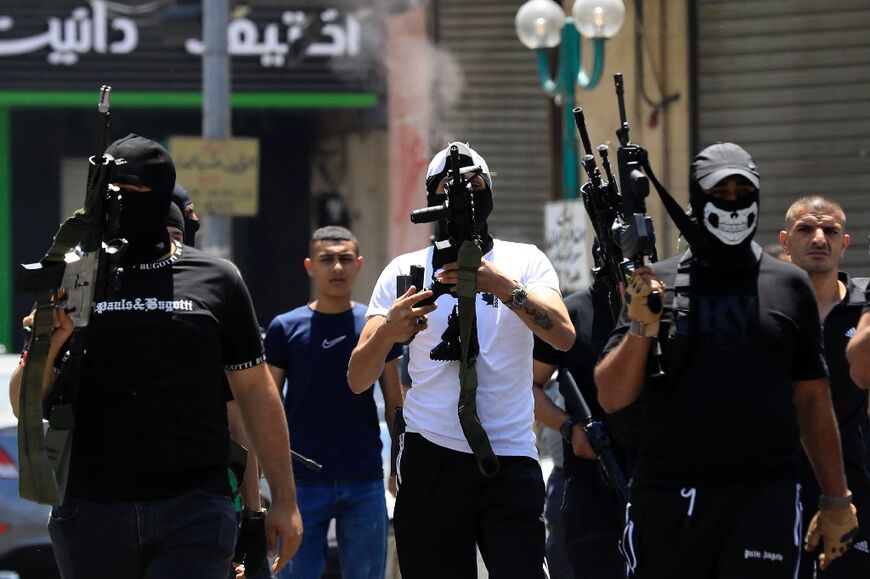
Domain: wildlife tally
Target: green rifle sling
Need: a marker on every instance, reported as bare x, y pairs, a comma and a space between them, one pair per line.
466, 291
44, 457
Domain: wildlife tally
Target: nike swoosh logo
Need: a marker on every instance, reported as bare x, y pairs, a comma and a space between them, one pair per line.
327, 344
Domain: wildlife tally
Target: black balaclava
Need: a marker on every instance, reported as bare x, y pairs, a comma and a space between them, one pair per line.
142, 216
175, 218
727, 226
181, 198
482, 198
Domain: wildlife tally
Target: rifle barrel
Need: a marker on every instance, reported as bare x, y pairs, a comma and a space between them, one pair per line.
580, 120
620, 97
103, 125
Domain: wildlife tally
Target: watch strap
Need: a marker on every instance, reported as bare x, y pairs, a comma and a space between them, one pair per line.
258, 514
643, 330
835, 503
566, 429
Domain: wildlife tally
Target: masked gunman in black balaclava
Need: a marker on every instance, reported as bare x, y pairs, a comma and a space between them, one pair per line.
739, 383
145, 179
148, 493
181, 199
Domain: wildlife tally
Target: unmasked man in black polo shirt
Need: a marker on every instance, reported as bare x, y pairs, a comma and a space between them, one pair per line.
715, 493
148, 493
815, 240
858, 351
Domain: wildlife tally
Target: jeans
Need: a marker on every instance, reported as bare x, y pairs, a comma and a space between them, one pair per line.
360, 514
557, 555
191, 535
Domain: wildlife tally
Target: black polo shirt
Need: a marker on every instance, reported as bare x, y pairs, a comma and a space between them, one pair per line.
850, 402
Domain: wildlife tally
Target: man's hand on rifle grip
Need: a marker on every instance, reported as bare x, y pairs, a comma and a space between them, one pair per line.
643, 296
490, 279
580, 443
404, 319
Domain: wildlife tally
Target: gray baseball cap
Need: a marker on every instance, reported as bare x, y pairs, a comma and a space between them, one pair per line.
722, 160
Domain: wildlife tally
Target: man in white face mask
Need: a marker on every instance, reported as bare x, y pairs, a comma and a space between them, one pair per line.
740, 382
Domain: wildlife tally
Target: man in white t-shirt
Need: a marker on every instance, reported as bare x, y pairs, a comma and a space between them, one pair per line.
446, 505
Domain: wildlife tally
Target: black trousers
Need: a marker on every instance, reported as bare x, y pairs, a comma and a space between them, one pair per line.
593, 516
718, 531
445, 507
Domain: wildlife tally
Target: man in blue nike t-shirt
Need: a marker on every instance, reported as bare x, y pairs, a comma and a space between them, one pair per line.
310, 347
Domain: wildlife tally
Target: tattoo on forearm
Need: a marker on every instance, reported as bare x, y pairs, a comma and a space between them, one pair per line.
540, 319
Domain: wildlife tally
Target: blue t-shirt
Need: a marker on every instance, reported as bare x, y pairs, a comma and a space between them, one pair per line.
328, 423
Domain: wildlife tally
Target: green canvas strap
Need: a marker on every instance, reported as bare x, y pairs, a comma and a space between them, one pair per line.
44, 456
466, 292
36, 478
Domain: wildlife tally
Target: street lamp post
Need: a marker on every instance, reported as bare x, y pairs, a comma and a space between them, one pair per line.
541, 25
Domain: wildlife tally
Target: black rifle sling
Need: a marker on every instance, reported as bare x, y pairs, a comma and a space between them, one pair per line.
688, 228
678, 344
470, 254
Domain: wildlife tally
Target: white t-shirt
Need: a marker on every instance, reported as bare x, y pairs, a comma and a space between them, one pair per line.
505, 403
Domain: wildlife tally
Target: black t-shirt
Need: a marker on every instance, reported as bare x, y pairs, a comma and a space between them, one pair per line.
724, 411
151, 417
589, 310
850, 402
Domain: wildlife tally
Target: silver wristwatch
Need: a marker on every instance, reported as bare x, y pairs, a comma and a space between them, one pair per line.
519, 297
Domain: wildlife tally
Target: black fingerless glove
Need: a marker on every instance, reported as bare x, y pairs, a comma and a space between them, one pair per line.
251, 542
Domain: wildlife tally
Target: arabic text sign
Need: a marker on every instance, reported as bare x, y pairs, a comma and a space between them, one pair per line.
565, 239
79, 33
101, 31
222, 176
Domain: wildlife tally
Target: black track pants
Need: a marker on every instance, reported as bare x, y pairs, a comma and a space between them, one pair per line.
445, 507
718, 531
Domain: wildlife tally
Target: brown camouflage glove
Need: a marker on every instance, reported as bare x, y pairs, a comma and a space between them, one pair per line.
644, 305
835, 529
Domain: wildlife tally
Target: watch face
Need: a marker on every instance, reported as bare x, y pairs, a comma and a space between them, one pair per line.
520, 297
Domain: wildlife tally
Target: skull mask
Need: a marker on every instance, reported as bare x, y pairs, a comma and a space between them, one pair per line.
731, 225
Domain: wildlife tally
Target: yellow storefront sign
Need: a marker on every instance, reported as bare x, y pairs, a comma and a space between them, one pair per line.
222, 176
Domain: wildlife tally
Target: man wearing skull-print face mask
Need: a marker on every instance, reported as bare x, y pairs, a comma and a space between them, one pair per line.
148, 494
446, 506
742, 382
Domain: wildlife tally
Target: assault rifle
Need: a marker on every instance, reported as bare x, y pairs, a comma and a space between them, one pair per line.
604, 207
625, 238
455, 216
462, 244
636, 236
595, 432
80, 263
